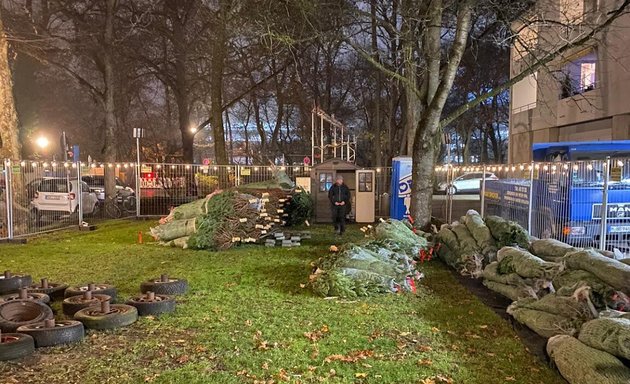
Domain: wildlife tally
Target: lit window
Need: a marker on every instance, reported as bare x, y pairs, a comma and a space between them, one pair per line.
579, 75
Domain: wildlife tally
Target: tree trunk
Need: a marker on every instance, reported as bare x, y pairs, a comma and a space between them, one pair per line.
9, 142
109, 150
181, 83
424, 154
216, 94
429, 132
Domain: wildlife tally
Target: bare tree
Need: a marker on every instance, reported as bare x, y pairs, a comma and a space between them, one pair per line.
9, 142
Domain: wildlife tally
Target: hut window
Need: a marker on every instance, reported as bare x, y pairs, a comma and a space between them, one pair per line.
365, 182
325, 181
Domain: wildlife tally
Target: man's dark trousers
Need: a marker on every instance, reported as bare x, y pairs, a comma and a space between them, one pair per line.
339, 218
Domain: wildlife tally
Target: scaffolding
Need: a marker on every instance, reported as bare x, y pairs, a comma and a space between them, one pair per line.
336, 142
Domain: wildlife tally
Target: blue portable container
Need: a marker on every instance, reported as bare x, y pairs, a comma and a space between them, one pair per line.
401, 188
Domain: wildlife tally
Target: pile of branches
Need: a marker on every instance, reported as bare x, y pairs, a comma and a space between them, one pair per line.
227, 218
386, 263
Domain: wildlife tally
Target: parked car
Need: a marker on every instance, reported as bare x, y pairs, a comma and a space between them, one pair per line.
468, 182
97, 185
58, 198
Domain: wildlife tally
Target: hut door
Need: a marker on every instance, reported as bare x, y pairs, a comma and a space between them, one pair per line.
365, 196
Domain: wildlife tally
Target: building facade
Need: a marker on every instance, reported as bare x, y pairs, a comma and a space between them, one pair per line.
581, 95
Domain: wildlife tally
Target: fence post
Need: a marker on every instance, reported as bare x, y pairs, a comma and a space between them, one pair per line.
449, 195
9, 197
531, 198
79, 193
237, 182
483, 192
138, 183
604, 212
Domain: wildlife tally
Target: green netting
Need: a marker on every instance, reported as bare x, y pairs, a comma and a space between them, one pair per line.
517, 260
543, 323
570, 277
280, 180
608, 334
580, 364
190, 210
465, 256
467, 243
480, 232
218, 207
610, 271
565, 306
512, 292
491, 272
550, 249
363, 270
174, 229
448, 238
447, 255
399, 233
507, 233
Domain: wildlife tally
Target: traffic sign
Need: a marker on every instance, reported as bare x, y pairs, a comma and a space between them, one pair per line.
307, 160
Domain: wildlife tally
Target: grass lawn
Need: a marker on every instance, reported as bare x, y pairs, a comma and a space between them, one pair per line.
248, 319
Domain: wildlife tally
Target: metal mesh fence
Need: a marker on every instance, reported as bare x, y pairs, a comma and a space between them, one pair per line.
584, 203
40, 197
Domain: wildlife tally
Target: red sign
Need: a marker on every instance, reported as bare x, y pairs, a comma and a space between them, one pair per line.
307, 160
206, 161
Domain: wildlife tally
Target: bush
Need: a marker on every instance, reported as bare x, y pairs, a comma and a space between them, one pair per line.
207, 184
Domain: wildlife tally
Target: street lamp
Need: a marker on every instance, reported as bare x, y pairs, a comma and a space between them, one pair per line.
42, 142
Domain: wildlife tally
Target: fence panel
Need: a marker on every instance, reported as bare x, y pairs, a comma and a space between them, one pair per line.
42, 196
5, 212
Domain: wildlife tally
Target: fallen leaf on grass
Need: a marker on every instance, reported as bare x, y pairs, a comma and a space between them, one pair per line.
283, 376
183, 359
510, 378
302, 285
265, 366
352, 357
316, 335
426, 362
425, 348
435, 330
360, 375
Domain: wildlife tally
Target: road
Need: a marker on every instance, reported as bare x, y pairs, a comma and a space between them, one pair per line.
461, 204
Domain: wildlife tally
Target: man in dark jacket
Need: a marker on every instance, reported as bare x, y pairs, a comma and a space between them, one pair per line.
339, 196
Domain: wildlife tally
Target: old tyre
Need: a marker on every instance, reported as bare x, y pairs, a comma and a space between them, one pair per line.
15, 345
63, 332
158, 305
55, 290
101, 289
41, 297
72, 305
172, 286
120, 315
13, 283
14, 314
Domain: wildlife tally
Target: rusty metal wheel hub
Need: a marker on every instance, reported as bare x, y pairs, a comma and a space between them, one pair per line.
8, 339
112, 311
